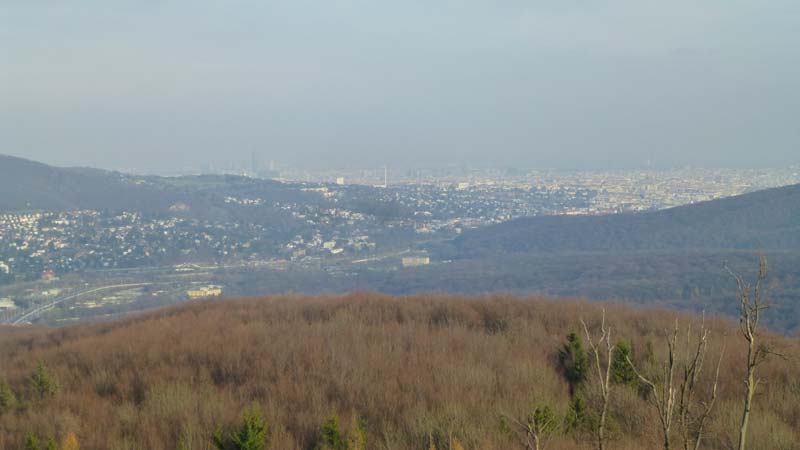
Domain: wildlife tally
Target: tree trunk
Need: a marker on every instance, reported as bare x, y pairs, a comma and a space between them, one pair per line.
748, 400
601, 431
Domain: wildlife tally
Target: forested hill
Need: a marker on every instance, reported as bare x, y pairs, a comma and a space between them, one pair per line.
29, 185
762, 220
366, 371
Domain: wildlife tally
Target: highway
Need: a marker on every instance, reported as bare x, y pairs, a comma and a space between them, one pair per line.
42, 308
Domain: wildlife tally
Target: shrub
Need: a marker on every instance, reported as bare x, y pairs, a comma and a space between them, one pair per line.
70, 442
357, 438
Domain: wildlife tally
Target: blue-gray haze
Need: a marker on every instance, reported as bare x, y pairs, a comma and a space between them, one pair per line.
559, 83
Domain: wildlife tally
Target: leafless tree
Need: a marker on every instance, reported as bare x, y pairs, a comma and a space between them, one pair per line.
603, 374
664, 393
673, 398
535, 432
751, 305
693, 413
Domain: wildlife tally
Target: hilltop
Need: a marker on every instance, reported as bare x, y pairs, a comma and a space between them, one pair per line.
763, 220
675, 257
28, 185
408, 369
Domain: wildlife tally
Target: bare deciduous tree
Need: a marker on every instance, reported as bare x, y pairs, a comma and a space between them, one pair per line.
664, 392
751, 306
603, 375
672, 398
535, 432
691, 418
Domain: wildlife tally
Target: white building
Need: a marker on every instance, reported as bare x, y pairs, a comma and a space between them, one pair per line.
7, 304
415, 261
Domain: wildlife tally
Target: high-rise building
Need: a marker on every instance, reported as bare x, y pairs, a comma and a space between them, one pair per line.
254, 163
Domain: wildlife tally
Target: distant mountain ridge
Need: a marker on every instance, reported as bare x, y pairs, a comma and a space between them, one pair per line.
29, 185
762, 220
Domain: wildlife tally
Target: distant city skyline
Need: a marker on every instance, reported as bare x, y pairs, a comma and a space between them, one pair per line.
356, 83
251, 165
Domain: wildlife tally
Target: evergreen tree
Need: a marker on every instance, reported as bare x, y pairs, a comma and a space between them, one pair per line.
573, 360
43, 382
251, 435
331, 437
543, 420
51, 444
621, 370
578, 416
31, 442
7, 397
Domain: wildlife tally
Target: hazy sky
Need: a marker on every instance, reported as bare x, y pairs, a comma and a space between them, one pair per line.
561, 83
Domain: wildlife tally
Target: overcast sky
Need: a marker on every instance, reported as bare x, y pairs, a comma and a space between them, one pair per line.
560, 83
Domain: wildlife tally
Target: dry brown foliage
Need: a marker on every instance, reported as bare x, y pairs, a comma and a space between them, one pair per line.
420, 371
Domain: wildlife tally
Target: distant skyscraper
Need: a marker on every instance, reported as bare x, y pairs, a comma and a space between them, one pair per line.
253, 163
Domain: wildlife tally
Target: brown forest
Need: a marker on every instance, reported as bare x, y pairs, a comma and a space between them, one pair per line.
399, 373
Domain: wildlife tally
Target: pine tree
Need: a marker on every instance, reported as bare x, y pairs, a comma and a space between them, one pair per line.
577, 418
574, 361
51, 444
621, 370
7, 398
42, 382
544, 420
251, 435
331, 437
31, 442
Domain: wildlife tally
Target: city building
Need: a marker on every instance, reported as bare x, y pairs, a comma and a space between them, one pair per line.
204, 292
7, 304
416, 261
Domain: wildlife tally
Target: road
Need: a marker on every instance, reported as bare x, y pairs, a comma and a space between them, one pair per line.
194, 269
42, 308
